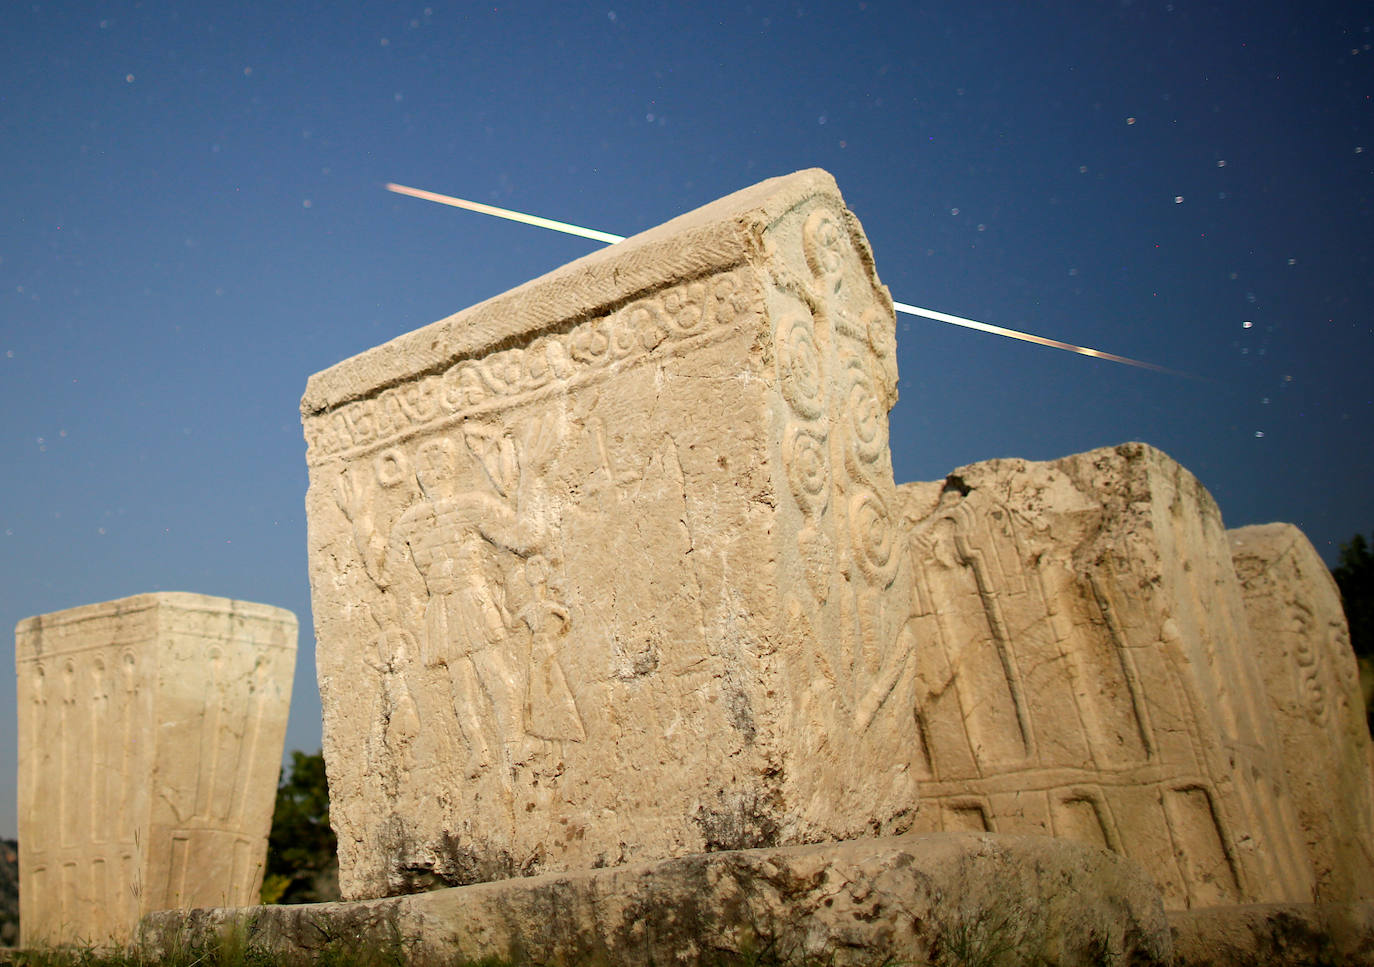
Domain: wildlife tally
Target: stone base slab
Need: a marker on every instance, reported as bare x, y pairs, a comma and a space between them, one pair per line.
1275, 934
936, 898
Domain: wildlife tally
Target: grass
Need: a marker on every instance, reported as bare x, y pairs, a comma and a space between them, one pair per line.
231, 956
233, 949
970, 938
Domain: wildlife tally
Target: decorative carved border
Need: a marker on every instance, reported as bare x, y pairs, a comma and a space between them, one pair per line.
699, 310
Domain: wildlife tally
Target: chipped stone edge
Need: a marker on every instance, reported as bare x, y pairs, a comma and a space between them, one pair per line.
712, 238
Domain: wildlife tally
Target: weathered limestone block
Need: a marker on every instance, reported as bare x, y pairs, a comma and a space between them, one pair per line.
1302, 646
955, 898
606, 568
1085, 668
1275, 935
150, 739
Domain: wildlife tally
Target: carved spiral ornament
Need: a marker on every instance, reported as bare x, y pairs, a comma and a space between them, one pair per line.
867, 421
1308, 669
808, 469
881, 331
874, 538
823, 241
799, 368
879, 327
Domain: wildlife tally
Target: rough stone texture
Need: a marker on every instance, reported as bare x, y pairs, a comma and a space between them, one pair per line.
611, 568
942, 899
1084, 668
1275, 935
1302, 646
150, 738
606, 568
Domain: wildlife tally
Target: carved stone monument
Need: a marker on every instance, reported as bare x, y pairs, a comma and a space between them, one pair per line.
150, 739
612, 568
1085, 669
607, 568
1303, 652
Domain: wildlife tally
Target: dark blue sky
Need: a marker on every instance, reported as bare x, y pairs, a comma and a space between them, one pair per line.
195, 222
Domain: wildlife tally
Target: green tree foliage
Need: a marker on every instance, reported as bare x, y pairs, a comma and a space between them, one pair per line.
302, 854
1355, 577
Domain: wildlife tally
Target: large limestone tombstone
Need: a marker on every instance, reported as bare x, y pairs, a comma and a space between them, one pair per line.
606, 568
150, 739
1303, 649
1086, 669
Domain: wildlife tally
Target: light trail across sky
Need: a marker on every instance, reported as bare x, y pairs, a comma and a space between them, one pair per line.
475, 206
945, 317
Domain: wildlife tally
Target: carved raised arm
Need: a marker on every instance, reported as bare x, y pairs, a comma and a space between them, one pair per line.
354, 500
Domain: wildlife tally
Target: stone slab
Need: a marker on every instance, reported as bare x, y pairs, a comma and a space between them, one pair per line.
1275, 934
1085, 668
944, 898
605, 569
1302, 647
150, 740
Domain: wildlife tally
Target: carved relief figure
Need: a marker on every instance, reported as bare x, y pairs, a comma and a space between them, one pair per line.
397, 709
549, 707
447, 572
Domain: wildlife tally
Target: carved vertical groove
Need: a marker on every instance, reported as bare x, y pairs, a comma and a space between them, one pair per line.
67, 807
1140, 710
1207, 862
124, 821
178, 866
992, 607
100, 753
210, 719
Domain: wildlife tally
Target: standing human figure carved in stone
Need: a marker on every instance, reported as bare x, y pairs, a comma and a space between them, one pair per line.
461, 545
549, 707
537, 619
397, 712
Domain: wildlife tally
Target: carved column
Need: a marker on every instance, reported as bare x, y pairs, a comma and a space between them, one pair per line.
150, 740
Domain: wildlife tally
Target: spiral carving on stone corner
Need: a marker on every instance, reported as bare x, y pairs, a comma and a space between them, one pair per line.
867, 418
882, 340
808, 469
823, 245
874, 538
799, 368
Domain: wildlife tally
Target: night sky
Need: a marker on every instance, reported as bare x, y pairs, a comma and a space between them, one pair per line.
194, 222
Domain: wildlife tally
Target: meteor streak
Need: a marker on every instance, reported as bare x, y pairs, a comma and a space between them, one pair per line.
945, 317
1029, 337
474, 206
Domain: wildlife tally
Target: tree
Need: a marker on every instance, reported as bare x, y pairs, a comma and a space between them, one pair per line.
302, 854
1355, 577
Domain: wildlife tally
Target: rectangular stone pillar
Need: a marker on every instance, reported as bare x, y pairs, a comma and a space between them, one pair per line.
605, 568
150, 740
1086, 669
1302, 647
